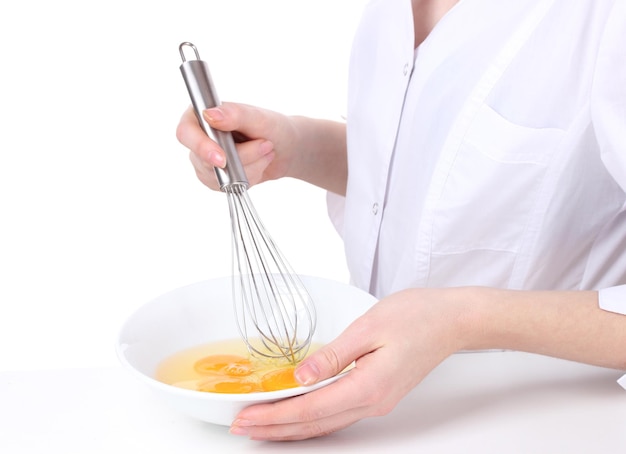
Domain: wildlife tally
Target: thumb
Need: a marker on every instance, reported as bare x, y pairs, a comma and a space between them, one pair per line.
248, 120
332, 358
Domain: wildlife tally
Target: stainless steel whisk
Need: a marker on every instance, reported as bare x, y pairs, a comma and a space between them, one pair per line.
274, 311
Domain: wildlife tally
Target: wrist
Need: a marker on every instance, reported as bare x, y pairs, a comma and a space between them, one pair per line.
476, 318
318, 150
296, 145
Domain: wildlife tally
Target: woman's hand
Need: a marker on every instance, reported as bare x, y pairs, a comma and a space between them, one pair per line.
407, 334
271, 146
264, 137
395, 345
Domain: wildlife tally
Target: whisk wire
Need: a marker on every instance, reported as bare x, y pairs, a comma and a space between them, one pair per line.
249, 260
274, 302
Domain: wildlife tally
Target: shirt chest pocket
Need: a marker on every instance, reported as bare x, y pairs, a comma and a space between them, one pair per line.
494, 181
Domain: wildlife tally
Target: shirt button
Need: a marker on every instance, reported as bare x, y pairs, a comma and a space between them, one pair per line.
375, 209
405, 70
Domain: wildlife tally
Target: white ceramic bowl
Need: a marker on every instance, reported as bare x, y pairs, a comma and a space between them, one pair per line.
201, 313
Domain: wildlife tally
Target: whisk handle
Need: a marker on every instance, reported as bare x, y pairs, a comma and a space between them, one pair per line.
204, 96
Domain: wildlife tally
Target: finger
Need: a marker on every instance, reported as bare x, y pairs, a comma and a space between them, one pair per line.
320, 412
248, 121
190, 134
205, 172
256, 171
255, 156
335, 356
300, 431
254, 150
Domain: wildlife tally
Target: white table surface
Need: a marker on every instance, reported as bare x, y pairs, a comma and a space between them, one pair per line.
495, 402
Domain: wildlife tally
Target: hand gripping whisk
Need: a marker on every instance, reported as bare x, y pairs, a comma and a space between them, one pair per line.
274, 312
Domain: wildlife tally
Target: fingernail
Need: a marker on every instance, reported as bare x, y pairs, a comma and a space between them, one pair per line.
214, 114
307, 374
217, 159
238, 430
240, 427
242, 422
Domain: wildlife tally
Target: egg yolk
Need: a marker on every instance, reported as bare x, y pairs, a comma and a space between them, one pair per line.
279, 379
237, 374
228, 385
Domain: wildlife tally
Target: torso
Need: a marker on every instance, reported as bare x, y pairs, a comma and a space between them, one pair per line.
474, 159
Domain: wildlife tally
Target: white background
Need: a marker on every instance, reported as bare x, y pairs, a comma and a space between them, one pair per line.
100, 210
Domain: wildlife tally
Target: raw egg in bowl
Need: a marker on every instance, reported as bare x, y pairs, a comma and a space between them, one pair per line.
185, 346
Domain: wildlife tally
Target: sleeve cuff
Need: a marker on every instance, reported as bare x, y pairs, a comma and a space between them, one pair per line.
622, 382
613, 299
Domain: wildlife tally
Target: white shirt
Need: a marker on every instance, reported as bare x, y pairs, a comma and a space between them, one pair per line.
494, 154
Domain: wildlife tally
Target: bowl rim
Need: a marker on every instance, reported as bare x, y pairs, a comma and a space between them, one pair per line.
262, 396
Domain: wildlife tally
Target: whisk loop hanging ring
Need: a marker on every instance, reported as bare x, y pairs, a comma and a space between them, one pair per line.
273, 309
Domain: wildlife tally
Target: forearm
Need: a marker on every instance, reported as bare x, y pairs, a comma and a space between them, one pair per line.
320, 153
564, 324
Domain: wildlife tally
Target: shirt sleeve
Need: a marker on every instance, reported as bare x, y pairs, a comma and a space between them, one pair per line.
608, 112
613, 299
